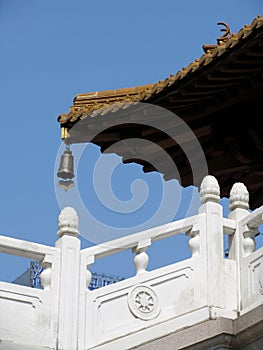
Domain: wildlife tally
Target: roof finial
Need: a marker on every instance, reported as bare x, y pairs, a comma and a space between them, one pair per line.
224, 37
226, 31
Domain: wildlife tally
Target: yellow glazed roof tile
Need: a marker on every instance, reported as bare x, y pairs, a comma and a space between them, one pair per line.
88, 103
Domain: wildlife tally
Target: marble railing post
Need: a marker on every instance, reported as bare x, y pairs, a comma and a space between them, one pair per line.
212, 247
69, 246
237, 245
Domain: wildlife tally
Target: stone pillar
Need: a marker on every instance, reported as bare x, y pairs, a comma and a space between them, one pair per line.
212, 241
239, 205
69, 246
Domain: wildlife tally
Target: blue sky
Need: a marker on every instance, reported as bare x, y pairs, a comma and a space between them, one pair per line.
53, 50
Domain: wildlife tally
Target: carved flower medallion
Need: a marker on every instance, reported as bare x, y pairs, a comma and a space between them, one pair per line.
143, 302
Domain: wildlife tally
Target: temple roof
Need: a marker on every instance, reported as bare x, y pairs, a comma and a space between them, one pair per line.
86, 103
218, 96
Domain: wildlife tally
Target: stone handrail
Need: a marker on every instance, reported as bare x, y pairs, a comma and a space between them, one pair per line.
143, 238
24, 248
254, 219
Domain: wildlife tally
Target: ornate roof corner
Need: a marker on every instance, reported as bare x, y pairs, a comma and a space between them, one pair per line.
214, 93
91, 101
222, 39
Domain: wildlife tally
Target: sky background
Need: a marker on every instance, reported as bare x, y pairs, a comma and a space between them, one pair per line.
53, 50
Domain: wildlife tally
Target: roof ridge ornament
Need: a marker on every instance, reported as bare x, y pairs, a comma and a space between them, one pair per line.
227, 32
222, 39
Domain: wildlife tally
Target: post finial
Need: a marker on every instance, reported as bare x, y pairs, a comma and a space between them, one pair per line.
209, 190
68, 222
239, 196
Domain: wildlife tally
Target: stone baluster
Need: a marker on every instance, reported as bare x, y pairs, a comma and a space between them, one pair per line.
46, 274
194, 241
141, 258
69, 246
249, 243
89, 262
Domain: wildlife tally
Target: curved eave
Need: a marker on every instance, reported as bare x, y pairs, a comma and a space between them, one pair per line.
218, 96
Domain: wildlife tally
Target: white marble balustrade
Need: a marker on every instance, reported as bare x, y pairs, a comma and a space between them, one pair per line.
66, 315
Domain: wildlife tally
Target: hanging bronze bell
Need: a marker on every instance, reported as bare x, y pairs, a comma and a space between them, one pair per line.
66, 166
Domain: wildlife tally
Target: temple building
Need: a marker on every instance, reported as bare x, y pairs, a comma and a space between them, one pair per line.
206, 118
